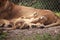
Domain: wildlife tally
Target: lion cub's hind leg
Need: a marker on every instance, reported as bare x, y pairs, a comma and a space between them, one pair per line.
19, 24
53, 24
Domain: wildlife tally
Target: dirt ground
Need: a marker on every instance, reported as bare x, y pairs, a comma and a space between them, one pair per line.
18, 33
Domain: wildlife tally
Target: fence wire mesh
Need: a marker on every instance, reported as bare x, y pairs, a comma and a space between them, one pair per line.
53, 5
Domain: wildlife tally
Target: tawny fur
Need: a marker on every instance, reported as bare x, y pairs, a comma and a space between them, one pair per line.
4, 23
10, 11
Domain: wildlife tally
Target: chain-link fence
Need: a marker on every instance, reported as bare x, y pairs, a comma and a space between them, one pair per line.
53, 5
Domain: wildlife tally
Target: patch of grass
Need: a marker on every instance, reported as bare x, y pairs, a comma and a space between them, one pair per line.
58, 14
46, 37
3, 36
57, 37
43, 37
